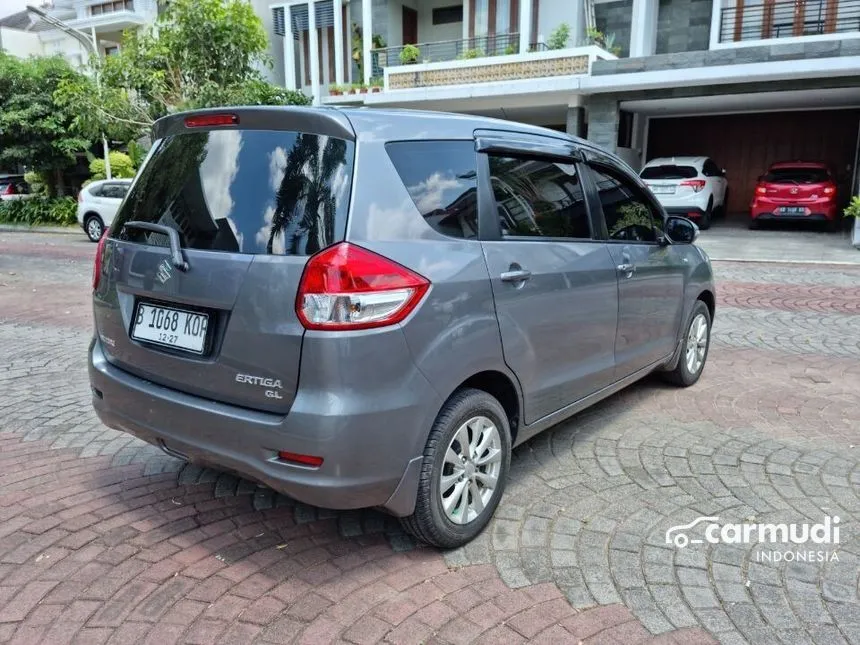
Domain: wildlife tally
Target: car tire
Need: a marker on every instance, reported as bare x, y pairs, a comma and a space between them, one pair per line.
94, 227
755, 225
705, 221
694, 350
446, 477
724, 207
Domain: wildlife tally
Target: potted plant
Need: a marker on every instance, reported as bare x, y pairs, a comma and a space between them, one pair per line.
376, 84
559, 37
335, 90
362, 88
510, 50
379, 45
470, 54
409, 54
853, 210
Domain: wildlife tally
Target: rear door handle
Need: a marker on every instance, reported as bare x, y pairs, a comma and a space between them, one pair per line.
627, 268
520, 275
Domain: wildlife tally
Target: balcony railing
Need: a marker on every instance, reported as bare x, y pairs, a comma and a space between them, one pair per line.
790, 18
465, 48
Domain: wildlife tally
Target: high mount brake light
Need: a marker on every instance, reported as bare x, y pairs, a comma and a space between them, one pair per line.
209, 120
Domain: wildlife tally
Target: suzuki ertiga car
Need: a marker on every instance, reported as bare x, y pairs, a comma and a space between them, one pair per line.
368, 308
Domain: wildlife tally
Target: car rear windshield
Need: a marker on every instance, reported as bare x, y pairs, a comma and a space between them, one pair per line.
797, 176
669, 171
243, 191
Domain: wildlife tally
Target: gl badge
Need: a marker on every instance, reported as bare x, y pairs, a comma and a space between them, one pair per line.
164, 272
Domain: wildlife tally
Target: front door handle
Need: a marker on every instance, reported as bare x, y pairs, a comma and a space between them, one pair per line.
520, 275
627, 268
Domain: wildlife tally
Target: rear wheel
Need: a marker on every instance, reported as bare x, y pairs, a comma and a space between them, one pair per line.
705, 221
94, 227
694, 351
466, 462
755, 225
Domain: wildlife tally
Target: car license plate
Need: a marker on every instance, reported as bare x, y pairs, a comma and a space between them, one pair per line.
662, 189
792, 210
170, 327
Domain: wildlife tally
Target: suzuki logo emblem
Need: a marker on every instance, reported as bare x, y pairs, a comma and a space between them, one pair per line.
164, 271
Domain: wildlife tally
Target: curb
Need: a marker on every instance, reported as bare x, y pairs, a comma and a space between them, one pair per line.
841, 263
63, 230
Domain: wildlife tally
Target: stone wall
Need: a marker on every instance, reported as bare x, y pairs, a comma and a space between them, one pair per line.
734, 56
614, 18
683, 25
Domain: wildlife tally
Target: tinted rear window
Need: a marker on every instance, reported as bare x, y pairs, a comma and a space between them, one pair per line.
243, 191
441, 178
669, 172
797, 176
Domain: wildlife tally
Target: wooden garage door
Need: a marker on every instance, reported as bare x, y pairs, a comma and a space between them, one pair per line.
745, 144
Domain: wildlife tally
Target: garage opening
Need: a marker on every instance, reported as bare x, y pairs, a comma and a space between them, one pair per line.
746, 144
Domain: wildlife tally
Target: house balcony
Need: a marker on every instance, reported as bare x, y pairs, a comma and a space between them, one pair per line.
742, 23
472, 67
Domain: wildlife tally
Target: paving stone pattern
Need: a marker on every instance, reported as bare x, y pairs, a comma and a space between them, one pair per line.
104, 539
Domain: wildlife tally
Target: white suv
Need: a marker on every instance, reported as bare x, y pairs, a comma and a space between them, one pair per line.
693, 187
98, 203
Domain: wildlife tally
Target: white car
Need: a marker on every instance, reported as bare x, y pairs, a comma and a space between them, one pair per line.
98, 203
693, 187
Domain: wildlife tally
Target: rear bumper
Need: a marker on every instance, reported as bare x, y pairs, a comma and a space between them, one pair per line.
691, 212
372, 452
815, 212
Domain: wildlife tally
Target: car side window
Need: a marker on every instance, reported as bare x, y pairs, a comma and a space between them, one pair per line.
539, 198
628, 213
96, 191
711, 169
441, 178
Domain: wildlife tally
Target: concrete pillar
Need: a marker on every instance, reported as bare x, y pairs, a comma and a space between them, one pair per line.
525, 25
576, 121
366, 38
314, 51
338, 42
289, 52
643, 33
603, 122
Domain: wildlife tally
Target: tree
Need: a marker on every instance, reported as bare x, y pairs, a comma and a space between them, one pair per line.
199, 53
35, 129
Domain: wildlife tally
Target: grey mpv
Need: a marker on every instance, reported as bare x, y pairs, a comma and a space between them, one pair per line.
371, 308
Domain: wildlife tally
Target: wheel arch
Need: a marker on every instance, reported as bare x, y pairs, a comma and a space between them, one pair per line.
501, 387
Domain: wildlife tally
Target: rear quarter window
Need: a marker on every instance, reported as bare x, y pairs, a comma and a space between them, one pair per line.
669, 172
243, 191
441, 179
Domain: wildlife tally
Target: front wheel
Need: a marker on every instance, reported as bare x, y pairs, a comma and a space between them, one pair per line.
694, 351
466, 462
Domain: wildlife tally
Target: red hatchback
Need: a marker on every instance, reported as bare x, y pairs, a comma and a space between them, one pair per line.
795, 191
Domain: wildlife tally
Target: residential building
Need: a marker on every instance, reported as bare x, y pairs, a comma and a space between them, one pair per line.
103, 21
746, 82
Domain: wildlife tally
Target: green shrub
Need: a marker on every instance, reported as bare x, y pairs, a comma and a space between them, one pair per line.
469, 54
36, 181
853, 208
58, 211
121, 167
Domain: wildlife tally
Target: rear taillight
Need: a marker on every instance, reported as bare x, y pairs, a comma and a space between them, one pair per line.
830, 190
7, 190
347, 287
761, 190
97, 265
696, 184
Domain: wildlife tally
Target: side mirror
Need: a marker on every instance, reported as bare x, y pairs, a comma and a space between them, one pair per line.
681, 230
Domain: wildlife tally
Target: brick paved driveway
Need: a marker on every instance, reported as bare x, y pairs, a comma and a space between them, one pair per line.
104, 539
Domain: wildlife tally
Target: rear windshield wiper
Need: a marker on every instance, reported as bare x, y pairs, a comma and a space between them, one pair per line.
175, 248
